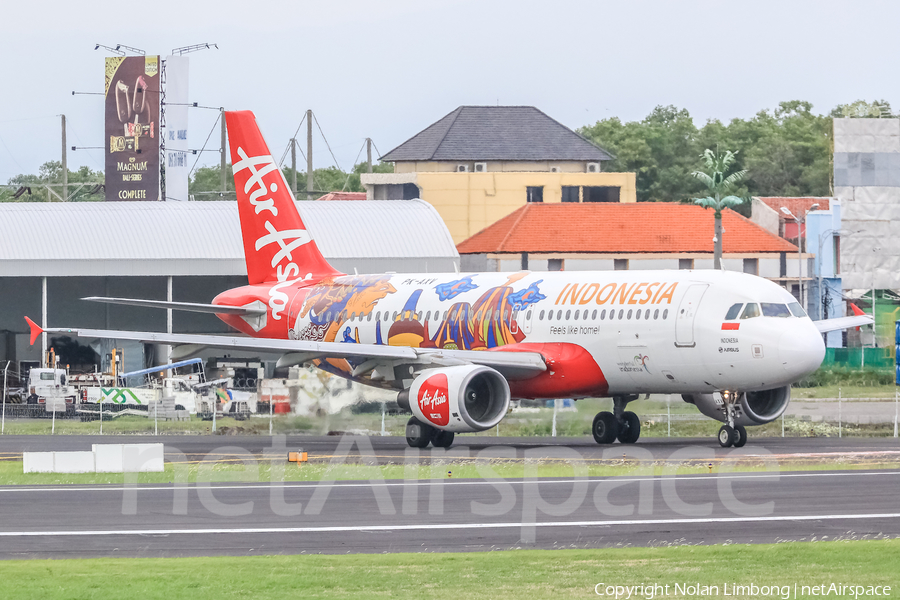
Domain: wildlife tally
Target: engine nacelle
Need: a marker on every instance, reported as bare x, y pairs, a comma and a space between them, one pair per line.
462, 399
753, 408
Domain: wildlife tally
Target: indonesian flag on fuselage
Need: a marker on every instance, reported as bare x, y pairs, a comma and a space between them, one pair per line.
277, 246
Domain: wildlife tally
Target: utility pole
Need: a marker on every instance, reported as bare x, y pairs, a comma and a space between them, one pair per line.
294, 166
368, 155
65, 167
309, 161
222, 164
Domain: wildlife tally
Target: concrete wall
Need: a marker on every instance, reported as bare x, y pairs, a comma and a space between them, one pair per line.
764, 215
867, 181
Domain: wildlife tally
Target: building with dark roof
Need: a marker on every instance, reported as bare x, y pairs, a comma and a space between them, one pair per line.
646, 235
480, 163
472, 134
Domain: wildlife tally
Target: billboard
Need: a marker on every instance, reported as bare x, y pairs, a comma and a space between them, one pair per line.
176, 129
132, 128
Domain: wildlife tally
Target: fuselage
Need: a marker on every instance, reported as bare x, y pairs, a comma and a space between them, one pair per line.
673, 332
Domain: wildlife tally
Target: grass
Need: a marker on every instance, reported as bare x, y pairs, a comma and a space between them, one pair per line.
496, 575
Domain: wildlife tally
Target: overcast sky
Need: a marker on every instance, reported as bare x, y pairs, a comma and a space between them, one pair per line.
388, 69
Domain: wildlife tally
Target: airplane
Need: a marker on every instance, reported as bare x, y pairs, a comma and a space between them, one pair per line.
458, 347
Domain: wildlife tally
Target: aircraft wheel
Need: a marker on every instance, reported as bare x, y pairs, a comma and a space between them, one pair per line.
442, 439
605, 428
629, 428
726, 436
740, 437
418, 434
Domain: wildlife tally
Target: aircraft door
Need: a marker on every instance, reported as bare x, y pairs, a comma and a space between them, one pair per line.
524, 317
687, 311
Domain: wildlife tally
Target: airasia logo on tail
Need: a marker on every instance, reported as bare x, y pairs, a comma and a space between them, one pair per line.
287, 241
433, 399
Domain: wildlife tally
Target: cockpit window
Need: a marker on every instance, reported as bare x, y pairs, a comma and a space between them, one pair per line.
770, 309
796, 309
751, 311
733, 312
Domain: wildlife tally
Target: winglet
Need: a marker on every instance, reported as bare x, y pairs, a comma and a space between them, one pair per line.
35, 330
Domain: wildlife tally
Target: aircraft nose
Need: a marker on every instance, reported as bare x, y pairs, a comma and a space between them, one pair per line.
801, 349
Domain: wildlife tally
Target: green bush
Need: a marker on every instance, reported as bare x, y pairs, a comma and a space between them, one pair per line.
837, 375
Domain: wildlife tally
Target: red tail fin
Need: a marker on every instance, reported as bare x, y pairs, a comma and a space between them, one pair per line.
277, 246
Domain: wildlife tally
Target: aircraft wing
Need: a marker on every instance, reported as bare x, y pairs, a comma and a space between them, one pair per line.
513, 365
827, 325
244, 311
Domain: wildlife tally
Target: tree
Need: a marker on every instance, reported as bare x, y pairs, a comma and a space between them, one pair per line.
719, 185
51, 173
206, 182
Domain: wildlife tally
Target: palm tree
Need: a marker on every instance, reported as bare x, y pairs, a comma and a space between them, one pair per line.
719, 185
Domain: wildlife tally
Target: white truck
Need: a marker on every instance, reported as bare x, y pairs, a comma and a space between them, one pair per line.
50, 388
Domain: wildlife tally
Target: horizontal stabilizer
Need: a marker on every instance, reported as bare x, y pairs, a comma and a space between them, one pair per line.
243, 311
827, 325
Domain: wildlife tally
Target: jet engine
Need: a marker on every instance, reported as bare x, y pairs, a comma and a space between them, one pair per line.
752, 408
461, 399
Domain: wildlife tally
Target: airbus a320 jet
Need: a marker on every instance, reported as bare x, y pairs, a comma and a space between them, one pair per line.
457, 348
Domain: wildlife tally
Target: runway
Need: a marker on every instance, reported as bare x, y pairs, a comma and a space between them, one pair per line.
445, 515
452, 514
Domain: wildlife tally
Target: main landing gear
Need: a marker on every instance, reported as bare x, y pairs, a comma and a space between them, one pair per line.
620, 424
419, 435
731, 434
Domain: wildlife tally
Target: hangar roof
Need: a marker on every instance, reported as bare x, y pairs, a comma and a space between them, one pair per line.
203, 238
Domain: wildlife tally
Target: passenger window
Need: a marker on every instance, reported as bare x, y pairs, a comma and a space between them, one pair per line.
576, 314
628, 316
656, 314
751, 311
378, 316
594, 315
665, 314
328, 316
559, 315
647, 315
621, 313
541, 316
733, 312
796, 309
568, 315
428, 316
369, 316
395, 316
550, 316
603, 314
770, 309
445, 315
528, 315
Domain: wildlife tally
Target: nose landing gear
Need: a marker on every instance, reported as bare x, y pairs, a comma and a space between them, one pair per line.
620, 424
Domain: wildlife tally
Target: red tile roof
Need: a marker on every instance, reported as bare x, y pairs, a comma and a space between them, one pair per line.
343, 196
619, 228
797, 205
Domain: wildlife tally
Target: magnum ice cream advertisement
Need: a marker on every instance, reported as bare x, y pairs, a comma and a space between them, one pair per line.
132, 128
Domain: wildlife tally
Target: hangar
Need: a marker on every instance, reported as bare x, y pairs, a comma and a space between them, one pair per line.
53, 254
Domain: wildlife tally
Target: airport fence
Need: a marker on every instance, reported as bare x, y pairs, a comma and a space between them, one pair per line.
830, 417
